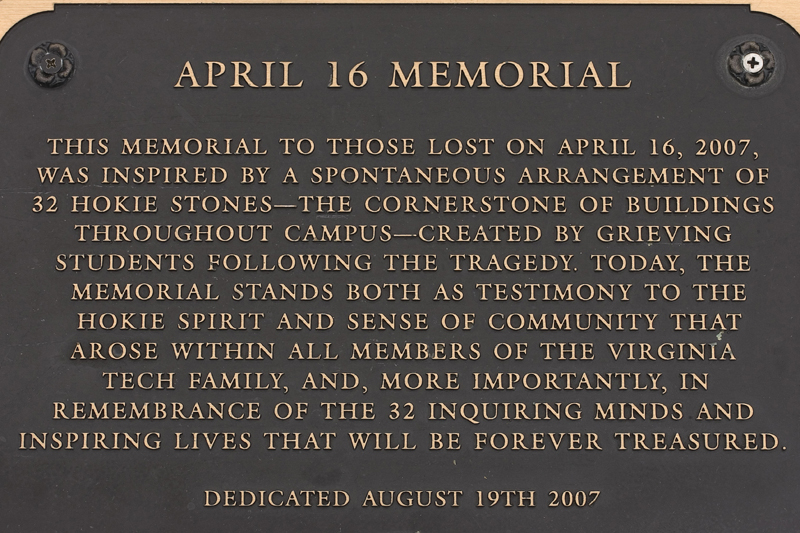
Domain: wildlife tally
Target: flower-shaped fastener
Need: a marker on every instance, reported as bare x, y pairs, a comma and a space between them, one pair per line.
751, 64
51, 64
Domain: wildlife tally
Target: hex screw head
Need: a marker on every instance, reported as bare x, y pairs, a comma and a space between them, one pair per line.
51, 64
751, 64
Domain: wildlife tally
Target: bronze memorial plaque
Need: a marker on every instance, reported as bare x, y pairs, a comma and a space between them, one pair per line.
399, 268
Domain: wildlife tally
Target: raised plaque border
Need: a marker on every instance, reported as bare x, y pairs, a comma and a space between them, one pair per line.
13, 11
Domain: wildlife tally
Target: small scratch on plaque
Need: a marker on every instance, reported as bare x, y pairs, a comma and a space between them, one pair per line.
719, 335
186, 115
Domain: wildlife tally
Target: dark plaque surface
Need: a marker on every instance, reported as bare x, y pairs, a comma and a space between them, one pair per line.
511, 268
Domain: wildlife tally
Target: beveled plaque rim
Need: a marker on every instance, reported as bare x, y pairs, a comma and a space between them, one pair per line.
14, 11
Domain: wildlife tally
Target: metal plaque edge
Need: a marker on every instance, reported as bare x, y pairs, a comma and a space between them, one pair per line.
13, 11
